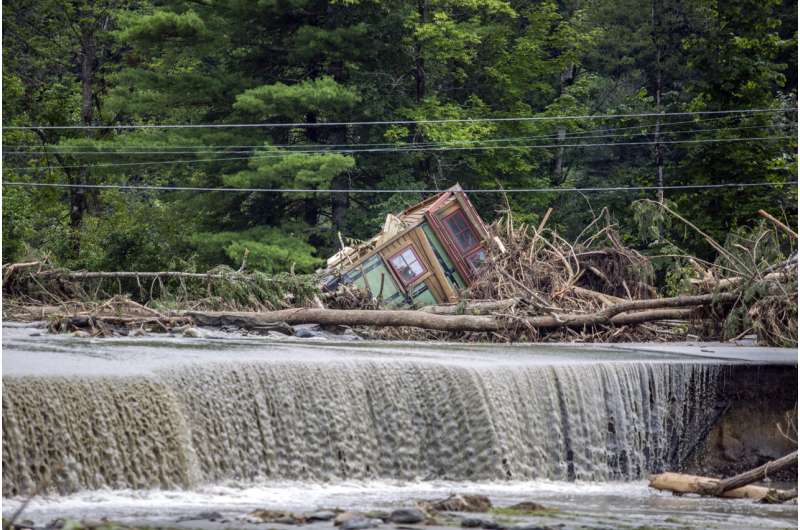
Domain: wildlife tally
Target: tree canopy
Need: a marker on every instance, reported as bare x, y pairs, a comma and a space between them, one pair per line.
659, 80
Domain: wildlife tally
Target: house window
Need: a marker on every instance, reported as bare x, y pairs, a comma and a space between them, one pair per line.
462, 232
407, 265
477, 258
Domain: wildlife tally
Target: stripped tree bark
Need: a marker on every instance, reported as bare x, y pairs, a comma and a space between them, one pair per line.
681, 484
738, 486
759, 473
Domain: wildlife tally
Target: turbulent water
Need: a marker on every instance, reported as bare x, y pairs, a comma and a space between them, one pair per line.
193, 424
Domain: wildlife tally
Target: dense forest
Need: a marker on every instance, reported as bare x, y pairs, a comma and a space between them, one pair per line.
535, 94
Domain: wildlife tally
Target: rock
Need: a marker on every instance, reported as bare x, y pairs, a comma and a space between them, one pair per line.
407, 516
323, 515
492, 525
274, 327
377, 514
528, 506
202, 516
360, 523
81, 334
192, 332
276, 516
471, 522
307, 331
346, 516
458, 503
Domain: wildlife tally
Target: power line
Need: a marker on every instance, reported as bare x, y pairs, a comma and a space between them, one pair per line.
327, 148
401, 150
383, 191
575, 134
398, 122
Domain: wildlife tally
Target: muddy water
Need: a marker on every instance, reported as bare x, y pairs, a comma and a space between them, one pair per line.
151, 428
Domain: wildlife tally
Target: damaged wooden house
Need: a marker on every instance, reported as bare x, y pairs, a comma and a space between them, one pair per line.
425, 255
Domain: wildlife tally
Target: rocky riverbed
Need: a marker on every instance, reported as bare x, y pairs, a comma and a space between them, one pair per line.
399, 506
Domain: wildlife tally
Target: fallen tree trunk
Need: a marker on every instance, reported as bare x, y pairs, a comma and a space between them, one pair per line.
616, 315
477, 307
759, 473
736, 281
126, 274
423, 320
682, 484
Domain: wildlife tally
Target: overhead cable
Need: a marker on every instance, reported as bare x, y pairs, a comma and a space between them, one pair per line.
397, 150
68, 150
398, 122
384, 191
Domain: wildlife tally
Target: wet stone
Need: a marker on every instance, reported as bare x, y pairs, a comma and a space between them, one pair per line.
492, 525
361, 523
276, 516
407, 516
471, 522
346, 516
322, 515
202, 516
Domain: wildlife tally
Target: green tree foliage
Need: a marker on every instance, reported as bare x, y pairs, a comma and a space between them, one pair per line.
314, 63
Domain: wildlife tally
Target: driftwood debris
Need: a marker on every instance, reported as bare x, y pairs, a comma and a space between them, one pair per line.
624, 313
682, 484
759, 473
738, 486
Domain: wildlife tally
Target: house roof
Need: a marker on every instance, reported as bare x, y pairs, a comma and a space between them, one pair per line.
393, 226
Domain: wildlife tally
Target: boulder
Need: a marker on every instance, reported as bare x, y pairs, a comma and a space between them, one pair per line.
471, 522
458, 503
407, 516
322, 515
346, 516
276, 516
361, 523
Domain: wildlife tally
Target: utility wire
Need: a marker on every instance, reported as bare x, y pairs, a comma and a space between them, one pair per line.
477, 190
328, 148
399, 122
396, 150
575, 134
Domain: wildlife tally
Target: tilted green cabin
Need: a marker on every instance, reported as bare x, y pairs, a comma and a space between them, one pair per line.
425, 255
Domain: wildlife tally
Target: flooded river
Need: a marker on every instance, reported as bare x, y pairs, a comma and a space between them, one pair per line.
157, 429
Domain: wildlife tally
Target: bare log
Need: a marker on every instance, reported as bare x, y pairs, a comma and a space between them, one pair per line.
759, 473
675, 301
682, 484
86, 275
423, 320
477, 307
729, 283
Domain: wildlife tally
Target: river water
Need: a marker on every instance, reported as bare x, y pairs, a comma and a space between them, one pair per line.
155, 429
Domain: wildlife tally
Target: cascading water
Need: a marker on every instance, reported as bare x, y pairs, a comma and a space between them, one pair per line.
243, 421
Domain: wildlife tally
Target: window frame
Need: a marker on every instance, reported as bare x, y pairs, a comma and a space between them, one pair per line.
469, 226
416, 277
468, 257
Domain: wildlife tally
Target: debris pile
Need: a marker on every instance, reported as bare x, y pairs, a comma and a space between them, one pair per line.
533, 285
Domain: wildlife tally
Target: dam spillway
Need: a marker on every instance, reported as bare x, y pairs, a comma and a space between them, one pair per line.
141, 415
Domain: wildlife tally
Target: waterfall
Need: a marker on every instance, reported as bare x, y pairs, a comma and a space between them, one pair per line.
325, 421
